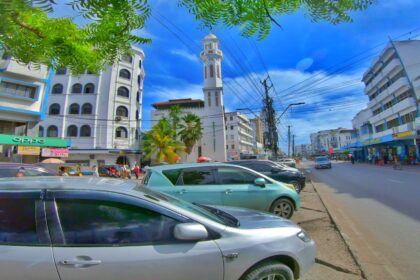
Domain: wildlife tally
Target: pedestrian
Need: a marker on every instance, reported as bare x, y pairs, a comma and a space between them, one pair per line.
136, 170
352, 159
95, 171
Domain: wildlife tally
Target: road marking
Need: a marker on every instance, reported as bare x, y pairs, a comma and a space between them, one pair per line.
395, 181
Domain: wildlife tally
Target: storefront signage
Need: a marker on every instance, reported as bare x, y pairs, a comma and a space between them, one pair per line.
402, 134
372, 141
47, 152
28, 150
32, 141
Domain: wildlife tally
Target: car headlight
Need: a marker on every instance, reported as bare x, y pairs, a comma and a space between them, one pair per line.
290, 186
304, 236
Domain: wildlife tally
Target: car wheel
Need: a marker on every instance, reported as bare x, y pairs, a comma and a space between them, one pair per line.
296, 185
268, 271
283, 207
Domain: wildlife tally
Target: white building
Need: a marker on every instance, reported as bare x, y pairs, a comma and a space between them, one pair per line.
210, 109
323, 141
101, 114
392, 84
303, 150
24, 91
239, 136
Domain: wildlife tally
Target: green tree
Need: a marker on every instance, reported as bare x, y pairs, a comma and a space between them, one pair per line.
29, 33
174, 118
190, 131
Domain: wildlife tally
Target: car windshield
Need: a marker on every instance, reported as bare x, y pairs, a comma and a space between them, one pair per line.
208, 212
321, 159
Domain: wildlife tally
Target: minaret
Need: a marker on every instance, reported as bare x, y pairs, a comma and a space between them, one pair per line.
212, 56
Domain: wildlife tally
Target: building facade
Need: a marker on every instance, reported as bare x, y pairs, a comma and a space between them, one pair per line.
391, 124
331, 140
210, 109
303, 150
24, 90
239, 136
100, 114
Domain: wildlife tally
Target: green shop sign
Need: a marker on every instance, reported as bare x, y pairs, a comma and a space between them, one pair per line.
32, 141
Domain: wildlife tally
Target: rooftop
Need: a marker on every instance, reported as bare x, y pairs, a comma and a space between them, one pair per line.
185, 103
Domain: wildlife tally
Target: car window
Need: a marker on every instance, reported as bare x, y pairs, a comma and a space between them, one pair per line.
147, 177
8, 172
95, 222
17, 221
261, 167
198, 176
36, 172
230, 176
172, 175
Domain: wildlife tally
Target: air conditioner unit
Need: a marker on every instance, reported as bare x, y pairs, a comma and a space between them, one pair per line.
118, 118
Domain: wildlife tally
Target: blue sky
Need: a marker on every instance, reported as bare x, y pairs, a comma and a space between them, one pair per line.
331, 58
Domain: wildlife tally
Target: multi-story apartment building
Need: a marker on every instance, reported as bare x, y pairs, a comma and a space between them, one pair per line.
331, 140
210, 109
303, 150
101, 114
24, 90
239, 136
392, 84
257, 126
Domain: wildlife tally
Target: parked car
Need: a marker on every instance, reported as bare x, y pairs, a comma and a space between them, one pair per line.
223, 184
288, 161
322, 162
97, 228
11, 170
275, 171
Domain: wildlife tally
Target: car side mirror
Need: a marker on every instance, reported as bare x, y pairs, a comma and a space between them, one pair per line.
190, 231
260, 182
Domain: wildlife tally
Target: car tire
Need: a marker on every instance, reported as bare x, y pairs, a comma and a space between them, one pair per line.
296, 185
283, 207
269, 269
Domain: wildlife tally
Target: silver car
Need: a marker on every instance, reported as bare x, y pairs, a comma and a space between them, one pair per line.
73, 228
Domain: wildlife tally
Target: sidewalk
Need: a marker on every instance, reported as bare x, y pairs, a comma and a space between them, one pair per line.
334, 260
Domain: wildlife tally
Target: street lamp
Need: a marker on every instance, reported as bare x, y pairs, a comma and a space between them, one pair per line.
287, 108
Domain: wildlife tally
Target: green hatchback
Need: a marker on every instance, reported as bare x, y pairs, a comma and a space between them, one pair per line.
223, 184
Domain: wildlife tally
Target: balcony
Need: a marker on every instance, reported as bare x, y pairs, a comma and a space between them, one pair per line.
406, 103
392, 65
36, 72
398, 84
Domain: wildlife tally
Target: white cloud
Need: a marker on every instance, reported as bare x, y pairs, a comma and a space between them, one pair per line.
184, 54
161, 93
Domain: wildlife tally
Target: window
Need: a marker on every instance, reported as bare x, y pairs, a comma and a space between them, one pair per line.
140, 64
17, 220
377, 111
41, 131
87, 109
18, 90
72, 131
211, 71
172, 175
217, 98
380, 128
136, 136
54, 109
89, 88
57, 89
137, 115
209, 98
261, 167
122, 111
94, 222
231, 127
233, 146
227, 147
139, 80
52, 131
231, 176
121, 132
123, 91
125, 74
218, 71
410, 117
74, 109
198, 176
205, 72
85, 131
232, 137
393, 123
231, 118
127, 58
138, 97
61, 71
406, 94
76, 88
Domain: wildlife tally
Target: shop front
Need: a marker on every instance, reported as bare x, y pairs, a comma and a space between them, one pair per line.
27, 149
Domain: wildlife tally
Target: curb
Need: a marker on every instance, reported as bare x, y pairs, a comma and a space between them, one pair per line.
345, 240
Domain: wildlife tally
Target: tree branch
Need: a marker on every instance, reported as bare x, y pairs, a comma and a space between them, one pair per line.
269, 15
24, 25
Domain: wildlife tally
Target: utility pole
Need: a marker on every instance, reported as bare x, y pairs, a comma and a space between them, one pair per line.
293, 146
270, 120
288, 140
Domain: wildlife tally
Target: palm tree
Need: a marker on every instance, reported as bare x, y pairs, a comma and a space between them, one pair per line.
190, 131
174, 117
160, 144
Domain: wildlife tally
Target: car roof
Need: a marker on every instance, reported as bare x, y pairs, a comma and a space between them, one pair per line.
250, 160
187, 165
60, 183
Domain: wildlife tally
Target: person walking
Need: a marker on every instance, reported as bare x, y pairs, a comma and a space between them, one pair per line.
351, 158
95, 171
136, 170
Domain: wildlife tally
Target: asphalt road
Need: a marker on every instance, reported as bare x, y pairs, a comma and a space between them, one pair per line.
379, 208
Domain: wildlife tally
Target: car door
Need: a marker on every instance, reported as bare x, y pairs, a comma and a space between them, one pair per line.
239, 188
273, 171
108, 237
198, 184
25, 247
